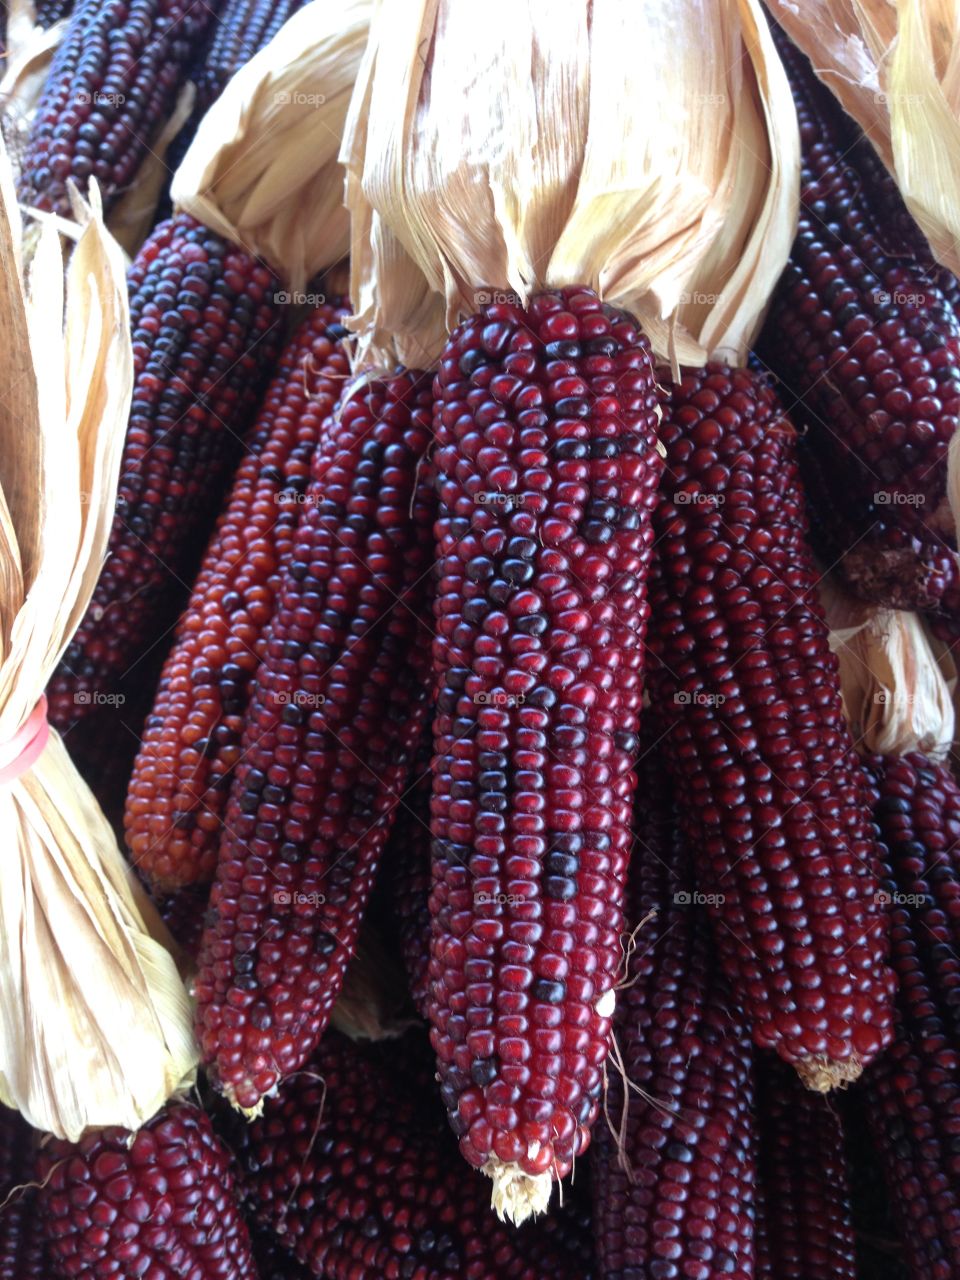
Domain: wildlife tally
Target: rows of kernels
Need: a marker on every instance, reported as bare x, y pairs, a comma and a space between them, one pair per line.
547, 469
191, 741
333, 722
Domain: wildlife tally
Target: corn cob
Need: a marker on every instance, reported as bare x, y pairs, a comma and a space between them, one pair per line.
673, 1195
205, 333
160, 1204
333, 721
273, 1261
359, 1177
913, 1091
408, 861
802, 1182
242, 30
184, 914
22, 1236
111, 87
191, 742
547, 467
51, 11
745, 683
863, 331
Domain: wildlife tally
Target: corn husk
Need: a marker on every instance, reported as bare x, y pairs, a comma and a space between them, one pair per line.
263, 168
95, 1024
894, 65
896, 697
30, 51
513, 154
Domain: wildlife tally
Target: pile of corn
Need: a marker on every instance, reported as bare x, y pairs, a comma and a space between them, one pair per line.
524, 686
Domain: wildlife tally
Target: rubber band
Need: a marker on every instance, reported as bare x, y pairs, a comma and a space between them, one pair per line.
25, 746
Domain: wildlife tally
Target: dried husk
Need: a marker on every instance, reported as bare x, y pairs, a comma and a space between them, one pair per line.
30, 51
263, 169
514, 154
895, 695
95, 1024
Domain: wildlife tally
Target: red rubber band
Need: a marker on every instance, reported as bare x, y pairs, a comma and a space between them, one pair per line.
25, 746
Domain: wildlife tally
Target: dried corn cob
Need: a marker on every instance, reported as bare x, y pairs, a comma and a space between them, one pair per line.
358, 1177
205, 332
51, 11
184, 914
242, 30
746, 685
863, 331
408, 861
191, 742
334, 718
22, 1235
913, 1091
547, 466
161, 1205
802, 1182
273, 1261
111, 87
673, 1194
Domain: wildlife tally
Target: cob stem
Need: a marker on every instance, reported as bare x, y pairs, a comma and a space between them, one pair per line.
821, 1074
516, 1195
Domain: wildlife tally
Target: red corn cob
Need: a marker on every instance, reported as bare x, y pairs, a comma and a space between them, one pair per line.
359, 1177
184, 914
673, 1195
22, 1235
334, 717
160, 1206
913, 1091
863, 331
803, 1196
191, 742
547, 465
273, 1261
767, 782
408, 862
205, 331
111, 88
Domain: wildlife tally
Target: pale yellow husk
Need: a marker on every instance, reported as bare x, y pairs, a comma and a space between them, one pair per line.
95, 1024
513, 153
896, 697
30, 51
895, 67
263, 168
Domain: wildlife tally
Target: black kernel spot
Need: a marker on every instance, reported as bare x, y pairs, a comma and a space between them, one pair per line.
549, 992
483, 1071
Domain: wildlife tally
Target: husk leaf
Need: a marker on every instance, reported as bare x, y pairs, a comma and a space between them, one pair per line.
895, 67
895, 696
30, 51
263, 169
95, 1024
514, 154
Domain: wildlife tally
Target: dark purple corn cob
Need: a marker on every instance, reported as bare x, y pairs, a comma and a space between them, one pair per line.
205, 331
673, 1193
863, 332
242, 30
191, 743
161, 1206
110, 90
332, 726
51, 11
912, 1093
803, 1198
23, 1254
408, 868
273, 1261
359, 1178
768, 786
183, 913
547, 466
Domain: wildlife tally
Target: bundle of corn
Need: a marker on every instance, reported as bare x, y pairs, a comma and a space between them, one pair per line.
805, 1225
97, 1024
191, 741
864, 334
533, 223
769, 786
160, 1203
356, 1175
674, 1164
113, 83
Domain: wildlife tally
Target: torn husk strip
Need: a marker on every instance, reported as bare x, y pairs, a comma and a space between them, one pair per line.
95, 1025
30, 51
894, 65
263, 168
516, 154
895, 696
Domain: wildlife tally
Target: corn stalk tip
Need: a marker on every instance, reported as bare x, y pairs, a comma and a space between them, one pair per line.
821, 1075
516, 1195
